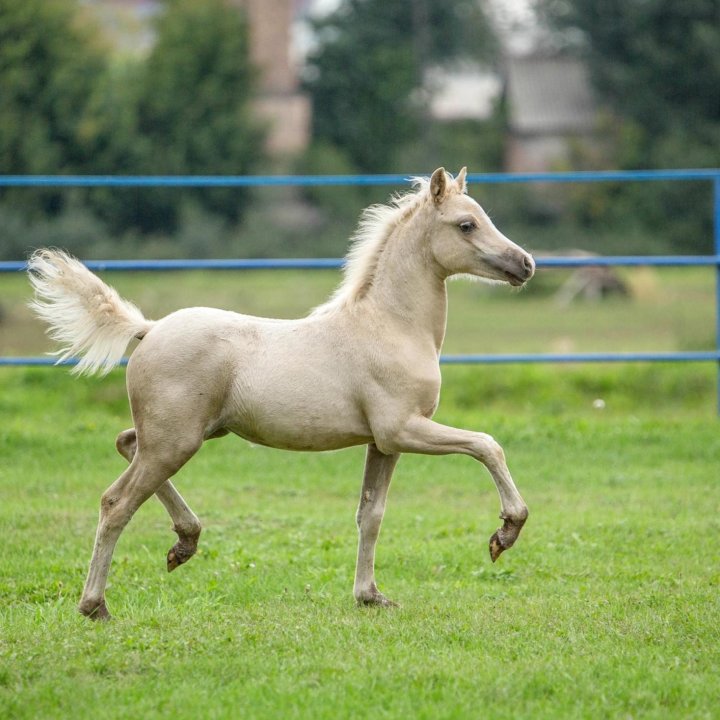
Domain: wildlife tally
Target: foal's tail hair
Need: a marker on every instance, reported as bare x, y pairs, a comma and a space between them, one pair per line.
87, 316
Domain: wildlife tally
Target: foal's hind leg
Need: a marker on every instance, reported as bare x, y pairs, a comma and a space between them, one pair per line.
376, 481
185, 523
146, 474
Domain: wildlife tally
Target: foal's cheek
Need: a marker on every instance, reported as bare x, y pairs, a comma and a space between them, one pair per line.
454, 256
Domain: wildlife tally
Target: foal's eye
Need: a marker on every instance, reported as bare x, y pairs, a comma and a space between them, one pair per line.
467, 227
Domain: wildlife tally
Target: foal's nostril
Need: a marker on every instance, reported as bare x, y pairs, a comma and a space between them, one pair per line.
528, 265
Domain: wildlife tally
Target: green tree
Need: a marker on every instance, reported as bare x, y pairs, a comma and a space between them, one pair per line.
49, 67
366, 76
656, 64
184, 110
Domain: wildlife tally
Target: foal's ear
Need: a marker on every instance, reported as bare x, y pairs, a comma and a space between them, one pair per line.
460, 180
439, 185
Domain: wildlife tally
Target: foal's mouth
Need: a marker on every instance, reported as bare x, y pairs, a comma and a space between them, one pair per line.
513, 272
515, 280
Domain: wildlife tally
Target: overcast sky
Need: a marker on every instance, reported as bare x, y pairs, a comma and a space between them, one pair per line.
514, 19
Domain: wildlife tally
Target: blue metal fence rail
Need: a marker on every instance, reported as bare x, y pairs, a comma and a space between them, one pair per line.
196, 181
712, 175
336, 263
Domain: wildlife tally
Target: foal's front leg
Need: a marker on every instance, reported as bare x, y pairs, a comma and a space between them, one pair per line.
421, 435
376, 481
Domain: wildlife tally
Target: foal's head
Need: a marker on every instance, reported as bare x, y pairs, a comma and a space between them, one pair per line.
464, 240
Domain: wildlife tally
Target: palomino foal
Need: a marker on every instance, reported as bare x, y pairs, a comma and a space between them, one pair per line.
361, 369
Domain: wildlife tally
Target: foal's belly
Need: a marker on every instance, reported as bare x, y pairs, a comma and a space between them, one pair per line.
288, 425
297, 407
315, 442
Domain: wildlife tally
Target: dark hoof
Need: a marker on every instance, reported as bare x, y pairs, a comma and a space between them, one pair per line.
95, 611
496, 547
375, 598
179, 554
505, 537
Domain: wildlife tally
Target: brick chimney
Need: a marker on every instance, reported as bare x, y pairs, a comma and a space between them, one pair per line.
280, 102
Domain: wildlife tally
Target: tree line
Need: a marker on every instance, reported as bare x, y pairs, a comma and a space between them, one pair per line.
655, 66
68, 105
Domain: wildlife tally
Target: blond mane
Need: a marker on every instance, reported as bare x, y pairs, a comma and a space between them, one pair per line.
377, 223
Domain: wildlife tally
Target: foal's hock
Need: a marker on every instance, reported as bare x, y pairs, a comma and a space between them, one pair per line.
361, 369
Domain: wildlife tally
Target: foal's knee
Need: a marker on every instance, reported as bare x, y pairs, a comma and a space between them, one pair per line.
490, 451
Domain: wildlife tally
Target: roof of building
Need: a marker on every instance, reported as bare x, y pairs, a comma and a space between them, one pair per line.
460, 93
548, 95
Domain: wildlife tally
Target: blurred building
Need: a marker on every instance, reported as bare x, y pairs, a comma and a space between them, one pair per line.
280, 103
127, 23
550, 107
463, 92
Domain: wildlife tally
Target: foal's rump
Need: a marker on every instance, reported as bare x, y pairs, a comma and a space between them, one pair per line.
179, 376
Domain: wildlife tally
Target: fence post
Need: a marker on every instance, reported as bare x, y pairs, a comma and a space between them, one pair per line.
716, 232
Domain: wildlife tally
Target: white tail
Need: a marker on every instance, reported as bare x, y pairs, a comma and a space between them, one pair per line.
85, 315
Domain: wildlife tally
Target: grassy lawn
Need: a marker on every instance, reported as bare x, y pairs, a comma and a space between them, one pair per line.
608, 605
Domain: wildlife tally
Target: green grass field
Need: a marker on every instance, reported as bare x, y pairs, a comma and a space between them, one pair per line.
607, 607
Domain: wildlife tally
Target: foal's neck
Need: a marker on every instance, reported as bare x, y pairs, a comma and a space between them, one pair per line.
409, 285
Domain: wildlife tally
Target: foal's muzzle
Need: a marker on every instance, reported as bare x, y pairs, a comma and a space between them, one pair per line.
517, 268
